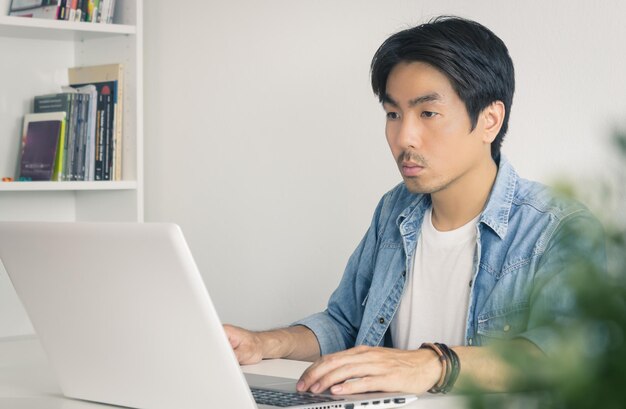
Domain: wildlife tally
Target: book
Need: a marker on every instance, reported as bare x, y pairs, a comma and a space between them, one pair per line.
46, 9
29, 4
107, 11
103, 133
108, 80
60, 102
40, 159
71, 16
79, 11
94, 11
91, 10
107, 147
88, 130
62, 9
97, 8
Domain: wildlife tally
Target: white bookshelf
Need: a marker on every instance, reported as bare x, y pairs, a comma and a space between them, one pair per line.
24, 26
36, 55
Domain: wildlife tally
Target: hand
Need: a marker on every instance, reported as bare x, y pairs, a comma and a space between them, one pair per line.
368, 369
246, 344
295, 342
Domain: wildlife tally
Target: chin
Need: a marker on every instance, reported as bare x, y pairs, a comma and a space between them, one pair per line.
415, 189
418, 188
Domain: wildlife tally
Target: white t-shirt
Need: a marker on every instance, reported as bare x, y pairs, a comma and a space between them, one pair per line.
436, 294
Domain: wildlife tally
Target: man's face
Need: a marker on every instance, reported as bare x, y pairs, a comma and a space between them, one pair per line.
428, 129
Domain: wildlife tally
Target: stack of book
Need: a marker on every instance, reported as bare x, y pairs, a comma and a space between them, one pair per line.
95, 11
76, 134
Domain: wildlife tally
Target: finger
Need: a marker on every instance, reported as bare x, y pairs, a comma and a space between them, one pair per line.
315, 378
318, 369
348, 373
360, 385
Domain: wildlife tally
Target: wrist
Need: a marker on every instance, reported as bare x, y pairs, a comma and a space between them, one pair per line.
274, 344
449, 364
434, 369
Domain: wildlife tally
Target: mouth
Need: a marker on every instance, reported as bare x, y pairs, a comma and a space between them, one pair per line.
410, 169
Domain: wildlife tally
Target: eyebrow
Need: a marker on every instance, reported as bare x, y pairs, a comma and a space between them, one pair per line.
433, 96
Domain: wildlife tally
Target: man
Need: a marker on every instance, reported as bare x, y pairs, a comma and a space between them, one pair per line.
461, 253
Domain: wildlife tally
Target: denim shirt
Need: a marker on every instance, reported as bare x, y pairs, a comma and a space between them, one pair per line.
519, 271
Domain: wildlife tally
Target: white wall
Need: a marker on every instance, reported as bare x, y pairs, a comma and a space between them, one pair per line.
265, 142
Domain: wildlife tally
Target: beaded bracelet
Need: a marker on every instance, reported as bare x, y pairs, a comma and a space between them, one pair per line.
455, 363
451, 366
444, 366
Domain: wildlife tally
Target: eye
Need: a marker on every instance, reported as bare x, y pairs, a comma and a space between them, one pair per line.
392, 116
429, 114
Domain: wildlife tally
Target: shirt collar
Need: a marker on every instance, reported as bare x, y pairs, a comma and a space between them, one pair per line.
411, 217
496, 212
498, 208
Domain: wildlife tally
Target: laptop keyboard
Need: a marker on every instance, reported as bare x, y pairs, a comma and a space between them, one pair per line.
287, 399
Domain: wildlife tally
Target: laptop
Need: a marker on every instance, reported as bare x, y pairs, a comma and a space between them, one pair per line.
124, 317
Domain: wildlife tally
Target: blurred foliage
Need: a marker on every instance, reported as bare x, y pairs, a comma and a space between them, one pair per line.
590, 369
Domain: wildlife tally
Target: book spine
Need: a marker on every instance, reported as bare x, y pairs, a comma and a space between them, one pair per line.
80, 10
106, 159
119, 124
104, 11
84, 15
91, 135
77, 137
111, 12
62, 9
72, 14
58, 16
57, 175
101, 118
89, 11
82, 138
70, 173
112, 145
96, 11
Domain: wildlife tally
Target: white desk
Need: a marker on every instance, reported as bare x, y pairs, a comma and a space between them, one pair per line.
27, 381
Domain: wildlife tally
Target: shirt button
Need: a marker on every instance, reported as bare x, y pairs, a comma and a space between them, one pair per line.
507, 327
470, 341
381, 320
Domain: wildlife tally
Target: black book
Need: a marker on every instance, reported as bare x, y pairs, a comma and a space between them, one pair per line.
104, 135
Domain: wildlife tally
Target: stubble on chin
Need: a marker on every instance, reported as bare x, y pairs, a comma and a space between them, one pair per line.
415, 186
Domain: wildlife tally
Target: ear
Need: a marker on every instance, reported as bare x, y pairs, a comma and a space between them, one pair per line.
493, 116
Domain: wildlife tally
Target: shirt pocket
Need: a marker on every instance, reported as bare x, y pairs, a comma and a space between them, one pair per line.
503, 323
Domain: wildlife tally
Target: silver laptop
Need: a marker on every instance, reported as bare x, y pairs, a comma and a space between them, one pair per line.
124, 317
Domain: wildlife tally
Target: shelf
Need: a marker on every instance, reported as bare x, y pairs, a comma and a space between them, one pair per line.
58, 186
58, 29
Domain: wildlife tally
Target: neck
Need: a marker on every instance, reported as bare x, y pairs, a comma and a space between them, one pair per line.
464, 198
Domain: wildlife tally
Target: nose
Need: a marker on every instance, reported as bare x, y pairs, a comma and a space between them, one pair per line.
409, 133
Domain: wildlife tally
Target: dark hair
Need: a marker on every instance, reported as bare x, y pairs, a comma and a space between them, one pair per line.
473, 58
